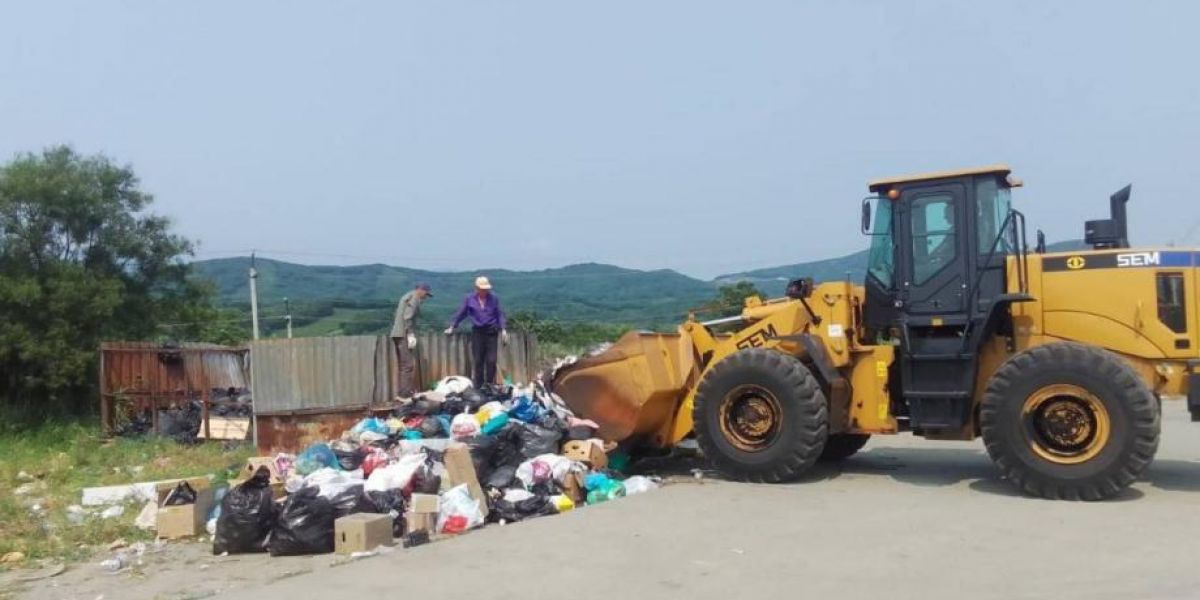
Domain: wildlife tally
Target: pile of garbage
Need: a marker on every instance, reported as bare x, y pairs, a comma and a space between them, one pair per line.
448, 461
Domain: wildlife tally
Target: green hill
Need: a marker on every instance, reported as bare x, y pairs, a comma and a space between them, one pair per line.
360, 299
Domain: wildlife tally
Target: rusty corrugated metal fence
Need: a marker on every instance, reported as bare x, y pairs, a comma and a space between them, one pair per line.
331, 374
151, 375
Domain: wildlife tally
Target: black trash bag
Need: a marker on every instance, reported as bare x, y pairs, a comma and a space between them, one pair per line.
389, 502
304, 526
247, 515
453, 406
424, 481
581, 432
511, 512
430, 428
182, 494
351, 501
483, 452
537, 440
349, 460
551, 421
416, 538
474, 400
546, 488
501, 477
508, 446
496, 393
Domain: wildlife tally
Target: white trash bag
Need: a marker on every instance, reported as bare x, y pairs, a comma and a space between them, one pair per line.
458, 502
454, 384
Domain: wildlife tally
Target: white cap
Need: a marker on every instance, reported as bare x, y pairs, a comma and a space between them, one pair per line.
482, 283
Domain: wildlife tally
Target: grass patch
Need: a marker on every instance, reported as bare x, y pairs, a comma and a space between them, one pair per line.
63, 458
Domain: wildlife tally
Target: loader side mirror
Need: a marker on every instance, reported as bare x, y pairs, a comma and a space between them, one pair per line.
877, 220
866, 215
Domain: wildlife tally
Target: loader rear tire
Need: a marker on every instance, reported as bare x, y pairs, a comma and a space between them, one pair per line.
841, 446
760, 416
1069, 421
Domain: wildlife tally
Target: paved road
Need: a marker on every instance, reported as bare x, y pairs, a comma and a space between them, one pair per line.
904, 519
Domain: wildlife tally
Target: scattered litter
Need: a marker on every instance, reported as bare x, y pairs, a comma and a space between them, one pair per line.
148, 517
112, 512
116, 563
12, 557
26, 489
24, 476
117, 544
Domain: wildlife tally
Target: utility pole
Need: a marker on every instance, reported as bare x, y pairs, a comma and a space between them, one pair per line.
253, 295
287, 308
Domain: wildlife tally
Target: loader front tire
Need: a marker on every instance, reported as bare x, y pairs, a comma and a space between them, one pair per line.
1069, 421
760, 416
841, 446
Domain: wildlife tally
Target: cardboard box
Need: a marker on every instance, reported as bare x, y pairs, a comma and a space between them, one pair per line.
423, 503
586, 451
184, 520
277, 489
414, 521
573, 488
361, 532
460, 470
254, 463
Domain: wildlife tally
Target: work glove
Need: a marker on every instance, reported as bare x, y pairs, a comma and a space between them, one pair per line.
412, 341
504, 336
449, 331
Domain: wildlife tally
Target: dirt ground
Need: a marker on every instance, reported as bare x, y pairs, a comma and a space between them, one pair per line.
903, 519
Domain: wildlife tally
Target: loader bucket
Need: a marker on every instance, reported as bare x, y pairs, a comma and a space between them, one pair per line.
631, 389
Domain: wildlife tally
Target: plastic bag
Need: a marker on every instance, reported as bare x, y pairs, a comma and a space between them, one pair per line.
458, 511
247, 515
464, 426
559, 467
595, 481
181, 495
610, 491
349, 501
455, 384
304, 526
395, 476
487, 411
511, 512
525, 409
373, 425
562, 503
494, 424
348, 460
501, 477
536, 440
425, 481
374, 459
331, 482
315, 457
639, 484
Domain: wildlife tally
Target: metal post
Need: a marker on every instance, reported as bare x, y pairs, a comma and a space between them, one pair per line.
287, 308
253, 296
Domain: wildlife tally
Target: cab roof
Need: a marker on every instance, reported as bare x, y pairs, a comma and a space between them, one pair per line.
1001, 170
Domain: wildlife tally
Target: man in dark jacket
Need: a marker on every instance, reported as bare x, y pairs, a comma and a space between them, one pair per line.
487, 329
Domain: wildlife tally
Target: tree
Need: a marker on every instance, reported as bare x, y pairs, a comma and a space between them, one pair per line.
82, 261
732, 298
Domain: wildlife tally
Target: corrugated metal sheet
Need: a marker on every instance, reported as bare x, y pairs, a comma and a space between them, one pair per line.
439, 355
319, 374
336, 373
149, 375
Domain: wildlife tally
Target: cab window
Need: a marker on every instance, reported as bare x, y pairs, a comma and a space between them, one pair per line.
879, 265
992, 204
934, 243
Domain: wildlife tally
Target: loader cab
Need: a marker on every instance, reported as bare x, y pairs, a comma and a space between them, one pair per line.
936, 280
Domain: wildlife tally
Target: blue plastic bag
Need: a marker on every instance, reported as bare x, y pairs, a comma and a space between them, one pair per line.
525, 409
315, 457
373, 424
596, 481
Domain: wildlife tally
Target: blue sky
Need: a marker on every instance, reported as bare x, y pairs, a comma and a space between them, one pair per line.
706, 137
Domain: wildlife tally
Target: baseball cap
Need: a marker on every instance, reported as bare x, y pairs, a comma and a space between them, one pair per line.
425, 286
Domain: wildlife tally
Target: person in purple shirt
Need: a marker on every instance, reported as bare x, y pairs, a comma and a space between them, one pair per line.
487, 330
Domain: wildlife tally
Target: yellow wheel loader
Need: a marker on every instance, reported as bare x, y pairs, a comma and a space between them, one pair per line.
1057, 360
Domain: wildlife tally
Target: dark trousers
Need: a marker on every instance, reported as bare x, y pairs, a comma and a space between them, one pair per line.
485, 341
406, 362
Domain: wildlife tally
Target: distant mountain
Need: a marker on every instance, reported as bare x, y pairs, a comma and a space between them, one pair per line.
577, 293
584, 292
